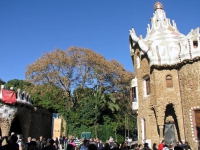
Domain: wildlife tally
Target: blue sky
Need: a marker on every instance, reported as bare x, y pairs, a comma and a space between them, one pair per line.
28, 28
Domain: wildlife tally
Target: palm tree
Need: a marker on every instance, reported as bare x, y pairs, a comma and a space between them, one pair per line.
103, 101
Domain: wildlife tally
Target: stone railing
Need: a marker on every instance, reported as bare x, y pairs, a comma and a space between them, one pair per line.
21, 97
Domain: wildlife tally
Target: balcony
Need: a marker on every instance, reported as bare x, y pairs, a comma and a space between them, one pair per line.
135, 105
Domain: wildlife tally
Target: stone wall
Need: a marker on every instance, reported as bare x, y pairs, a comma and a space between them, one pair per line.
32, 121
190, 91
41, 123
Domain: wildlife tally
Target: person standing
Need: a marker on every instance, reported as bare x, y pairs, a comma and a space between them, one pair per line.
20, 143
61, 142
124, 146
161, 145
40, 143
85, 145
146, 146
187, 146
56, 143
171, 145
27, 143
154, 146
65, 142
12, 143
99, 144
50, 145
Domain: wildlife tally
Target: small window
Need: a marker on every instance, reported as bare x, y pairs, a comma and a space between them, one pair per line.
169, 82
195, 44
133, 94
147, 85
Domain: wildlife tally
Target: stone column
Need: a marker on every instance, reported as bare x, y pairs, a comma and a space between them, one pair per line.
5, 128
5, 125
161, 127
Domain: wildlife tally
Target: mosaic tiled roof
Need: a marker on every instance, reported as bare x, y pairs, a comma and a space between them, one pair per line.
164, 44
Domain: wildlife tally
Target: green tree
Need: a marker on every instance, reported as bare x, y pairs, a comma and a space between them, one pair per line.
18, 84
50, 97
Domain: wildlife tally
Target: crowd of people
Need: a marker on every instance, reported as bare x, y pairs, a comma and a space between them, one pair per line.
64, 143
181, 145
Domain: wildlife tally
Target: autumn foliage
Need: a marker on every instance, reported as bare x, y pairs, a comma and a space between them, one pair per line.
78, 67
88, 89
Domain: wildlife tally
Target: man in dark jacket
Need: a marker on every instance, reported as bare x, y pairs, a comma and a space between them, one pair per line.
49, 145
40, 143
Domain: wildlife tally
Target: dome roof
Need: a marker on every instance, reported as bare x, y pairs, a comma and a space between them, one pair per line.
158, 5
164, 44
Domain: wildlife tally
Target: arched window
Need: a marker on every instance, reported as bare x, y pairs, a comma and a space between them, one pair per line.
195, 44
169, 82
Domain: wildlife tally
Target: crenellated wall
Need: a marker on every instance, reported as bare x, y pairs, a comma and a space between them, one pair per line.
31, 120
22, 118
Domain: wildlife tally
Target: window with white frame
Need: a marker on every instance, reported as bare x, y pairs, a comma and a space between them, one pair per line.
146, 82
134, 90
133, 94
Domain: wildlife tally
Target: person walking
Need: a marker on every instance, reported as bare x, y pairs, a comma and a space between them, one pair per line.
61, 142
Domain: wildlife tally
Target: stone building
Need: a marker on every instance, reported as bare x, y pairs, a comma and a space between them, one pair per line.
165, 92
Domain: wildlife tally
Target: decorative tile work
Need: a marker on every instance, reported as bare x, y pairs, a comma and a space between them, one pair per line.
193, 122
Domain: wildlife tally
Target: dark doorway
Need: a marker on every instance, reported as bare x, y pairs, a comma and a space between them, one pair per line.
169, 133
171, 112
15, 126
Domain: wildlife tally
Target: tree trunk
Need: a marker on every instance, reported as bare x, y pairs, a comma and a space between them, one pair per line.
128, 125
95, 129
125, 125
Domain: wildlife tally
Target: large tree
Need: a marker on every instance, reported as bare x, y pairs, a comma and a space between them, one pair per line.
79, 67
95, 88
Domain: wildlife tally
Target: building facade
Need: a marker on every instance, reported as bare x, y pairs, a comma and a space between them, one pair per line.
165, 92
